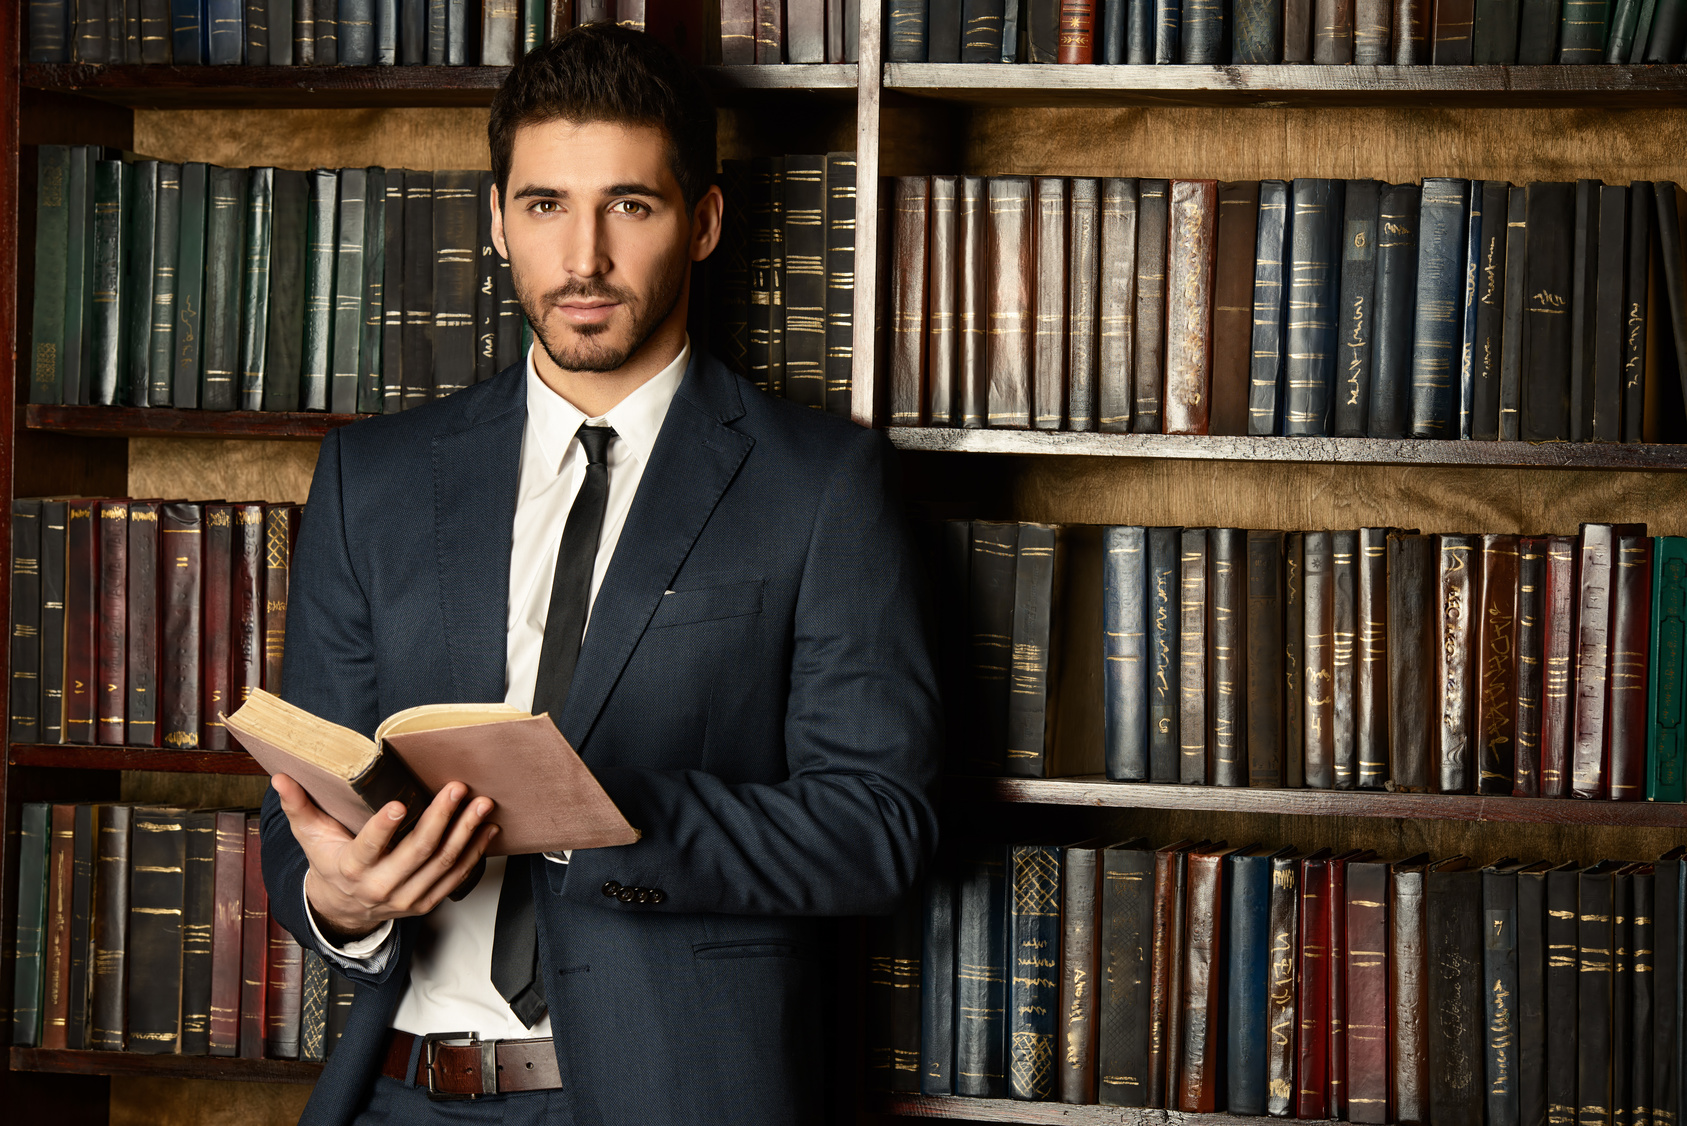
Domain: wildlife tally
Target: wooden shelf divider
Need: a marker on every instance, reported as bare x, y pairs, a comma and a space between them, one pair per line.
176, 1067
1066, 1114
76, 756
167, 422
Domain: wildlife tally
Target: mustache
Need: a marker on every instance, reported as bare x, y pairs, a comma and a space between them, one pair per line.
589, 289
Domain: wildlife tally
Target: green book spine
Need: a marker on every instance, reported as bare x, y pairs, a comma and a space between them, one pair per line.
392, 295
1666, 743
34, 838
46, 381
348, 291
107, 329
289, 198
190, 285
319, 289
840, 280
161, 324
369, 390
1581, 31
140, 271
532, 24
78, 268
254, 288
225, 253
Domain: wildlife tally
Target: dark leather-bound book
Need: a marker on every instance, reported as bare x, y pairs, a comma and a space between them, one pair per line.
111, 691
1281, 1013
1007, 269
1319, 679
1409, 972
1313, 278
1202, 32
1297, 31
937, 982
1080, 969
1294, 660
82, 621
1204, 994
339, 1010
1622, 990
453, 279
1168, 30
1453, 911
1669, 29
313, 1008
1370, 705
1332, 32
1495, 665
227, 921
1032, 675
1083, 292
1413, 642
370, 393
1344, 637
279, 521
942, 338
392, 286
1584, 292
285, 982
1227, 670
85, 834
1596, 934
1148, 369
246, 603
1263, 633
1368, 1027
973, 303
1493, 37
1171, 866
30, 947
1563, 961
1669, 884
198, 920
105, 312
1396, 305
1127, 920
158, 855
1485, 306
981, 31
418, 339
141, 655
225, 243
1610, 315
215, 670
1116, 349
1125, 603
1637, 1051
1636, 309
1596, 565
1531, 994
1075, 33
1192, 687
25, 695
1451, 45
1033, 992
1246, 960
1664, 748
1139, 32
1512, 340
254, 946
1179, 969
1547, 285
1500, 989
139, 246
1356, 310
770, 32
1110, 31
1191, 244
1233, 305
1581, 32
1373, 24
1312, 1033
907, 360
1529, 666
1630, 652
1164, 699
56, 949
1667, 196
316, 356
180, 533
1270, 307
905, 39
995, 554
1437, 329
1336, 943
1557, 679
108, 991
252, 289
78, 255
805, 32
738, 32
1537, 36
54, 575
1048, 304
1457, 584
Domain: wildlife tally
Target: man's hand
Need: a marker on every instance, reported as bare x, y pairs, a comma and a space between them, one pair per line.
358, 883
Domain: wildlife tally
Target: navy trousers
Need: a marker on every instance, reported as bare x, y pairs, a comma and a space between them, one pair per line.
392, 1103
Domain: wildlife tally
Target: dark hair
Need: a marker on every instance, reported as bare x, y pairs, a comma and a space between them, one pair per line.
606, 72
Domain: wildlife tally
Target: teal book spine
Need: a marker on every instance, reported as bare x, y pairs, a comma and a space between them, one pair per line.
78, 273
347, 337
140, 219
254, 288
1666, 739
225, 254
106, 311
161, 319
319, 289
374, 269
33, 841
52, 220
188, 344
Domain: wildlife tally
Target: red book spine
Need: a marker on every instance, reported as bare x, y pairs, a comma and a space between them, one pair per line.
286, 992
1077, 32
55, 949
246, 638
1312, 1076
112, 694
1631, 635
227, 929
278, 561
1367, 992
1597, 556
214, 663
143, 624
1335, 911
181, 546
254, 948
81, 616
1559, 636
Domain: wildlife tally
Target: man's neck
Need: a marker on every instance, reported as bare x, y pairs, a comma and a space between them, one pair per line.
596, 393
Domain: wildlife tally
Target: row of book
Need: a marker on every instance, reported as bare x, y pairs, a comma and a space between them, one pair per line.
789, 31
1262, 980
783, 276
140, 622
1313, 307
147, 929
1375, 658
1323, 32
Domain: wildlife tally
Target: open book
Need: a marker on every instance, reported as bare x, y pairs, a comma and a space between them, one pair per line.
544, 797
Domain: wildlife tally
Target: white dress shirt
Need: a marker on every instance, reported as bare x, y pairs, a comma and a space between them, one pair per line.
451, 969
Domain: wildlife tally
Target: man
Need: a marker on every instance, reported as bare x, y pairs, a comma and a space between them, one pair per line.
753, 687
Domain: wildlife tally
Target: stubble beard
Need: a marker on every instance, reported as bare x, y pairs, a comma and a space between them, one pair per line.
584, 347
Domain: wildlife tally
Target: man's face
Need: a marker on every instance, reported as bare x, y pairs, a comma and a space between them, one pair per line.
598, 236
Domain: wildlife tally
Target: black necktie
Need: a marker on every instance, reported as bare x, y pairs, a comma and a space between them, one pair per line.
515, 937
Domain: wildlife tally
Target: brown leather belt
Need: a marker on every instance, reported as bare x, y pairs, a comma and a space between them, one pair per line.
455, 1065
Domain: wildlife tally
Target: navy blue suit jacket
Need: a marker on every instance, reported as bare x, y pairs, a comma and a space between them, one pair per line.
755, 691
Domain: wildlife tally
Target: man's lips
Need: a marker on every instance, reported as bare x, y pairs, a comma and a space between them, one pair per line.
588, 312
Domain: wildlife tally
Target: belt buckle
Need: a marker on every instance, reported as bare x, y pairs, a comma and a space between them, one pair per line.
488, 1063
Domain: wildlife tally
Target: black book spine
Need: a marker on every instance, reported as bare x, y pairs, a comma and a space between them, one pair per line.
190, 287
198, 910
1033, 992
158, 854
1153, 216
418, 288
1125, 603
108, 333
81, 926
1643, 944
107, 993
1443, 217
1030, 675
225, 244
1669, 32
1596, 939
1453, 903
1397, 283
317, 353
372, 336
1356, 309
943, 31
283, 349
776, 279
1227, 677
1265, 369
346, 333
1310, 365
1562, 961
1164, 575
981, 969
1489, 348
1511, 350
392, 294
1537, 36
1636, 299
805, 280
1609, 315
981, 31
1584, 280
995, 554
1500, 994
161, 324
25, 703
1294, 660
1139, 32
1668, 886
1110, 32
840, 281
1531, 998
453, 280
254, 289
1547, 315
1127, 914
140, 270
937, 983
485, 285
53, 577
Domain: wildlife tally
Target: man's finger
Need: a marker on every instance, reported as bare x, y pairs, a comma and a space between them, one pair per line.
449, 853
413, 852
371, 842
459, 871
303, 814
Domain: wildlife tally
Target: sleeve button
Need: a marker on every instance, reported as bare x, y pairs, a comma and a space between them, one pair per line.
625, 895
611, 889
657, 895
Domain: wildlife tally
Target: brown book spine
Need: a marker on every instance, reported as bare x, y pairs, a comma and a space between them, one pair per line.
1149, 368
1116, 351
942, 355
1192, 657
1048, 290
1336, 952
1080, 890
1344, 638
1372, 26
1630, 653
181, 544
1332, 41
285, 984
227, 923
1368, 1028
1233, 305
246, 624
770, 32
1281, 1017
1596, 561
1227, 669
1007, 272
1458, 560
1371, 685
278, 565
81, 616
1319, 632
1174, 986
1163, 962
1191, 245
142, 641
972, 295
1558, 649
1264, 633
112, 689
1077, 32
1496, 645
1297, 31
110, 925
1312, 1040
1203, 997
55, 1003
216, 628
1083, 323
254, 947
1529, 667
907, 361
737, 32
1409, 992
1411, 32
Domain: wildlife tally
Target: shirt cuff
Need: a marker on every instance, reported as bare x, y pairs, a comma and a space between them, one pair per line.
368, 954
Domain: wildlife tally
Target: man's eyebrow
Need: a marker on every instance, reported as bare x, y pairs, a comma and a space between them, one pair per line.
535, 191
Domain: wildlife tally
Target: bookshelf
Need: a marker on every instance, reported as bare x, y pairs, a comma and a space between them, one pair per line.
1236, 122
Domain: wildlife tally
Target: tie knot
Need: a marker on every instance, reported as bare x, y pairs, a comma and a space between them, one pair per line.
595, 440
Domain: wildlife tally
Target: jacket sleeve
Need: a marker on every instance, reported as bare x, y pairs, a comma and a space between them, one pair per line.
328, 669
848, 830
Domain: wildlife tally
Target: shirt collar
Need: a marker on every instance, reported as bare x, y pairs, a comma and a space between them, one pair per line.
637, 419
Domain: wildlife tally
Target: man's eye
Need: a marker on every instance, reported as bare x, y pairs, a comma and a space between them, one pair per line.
546, 206
631, 206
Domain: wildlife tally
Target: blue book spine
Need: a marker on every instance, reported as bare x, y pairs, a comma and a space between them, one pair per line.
1033, 1000
1438, 326
187, 32
1666, 735
1467, 345
355, 28
1168, 31
1397, 284
1110, 43
1310, 362
1248, 948
1163, 597
386, 32
1271, 249
1139, 32
49, 31
1124, 652
981, 973
937, 983
225, 32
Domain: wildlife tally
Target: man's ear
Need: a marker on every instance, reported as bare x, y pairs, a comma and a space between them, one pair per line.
498, 224
705, 223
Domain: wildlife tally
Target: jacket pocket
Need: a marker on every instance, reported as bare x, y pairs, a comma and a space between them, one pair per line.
707, 604
745, 948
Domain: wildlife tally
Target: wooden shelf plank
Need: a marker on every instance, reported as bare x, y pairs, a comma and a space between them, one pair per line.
1014, 1110
178, 1067
1354, 451
1096, 791
68, 756
160, 422
1287, 85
